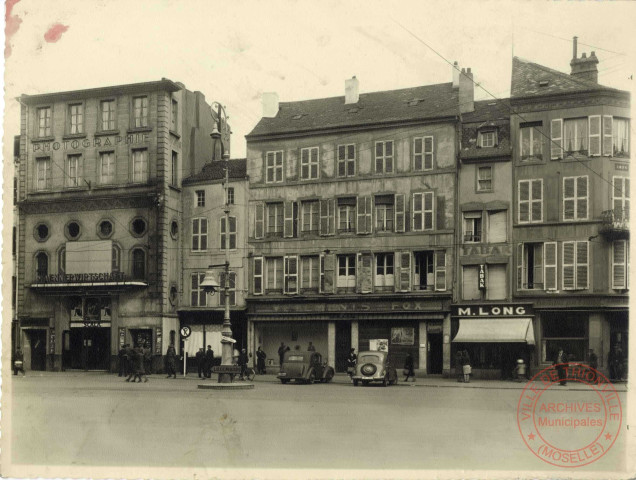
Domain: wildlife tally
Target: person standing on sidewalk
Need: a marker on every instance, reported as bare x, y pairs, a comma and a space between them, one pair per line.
459, 366
18, 362
560, 361
260, 361
352, 359
209, 360
466, 368
200, 356
140, 372
281, 353
409, 368
171, 361
121, 357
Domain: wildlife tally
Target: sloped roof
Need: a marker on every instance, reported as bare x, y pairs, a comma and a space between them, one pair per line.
527, 76
408, 104
216, 171
489, 111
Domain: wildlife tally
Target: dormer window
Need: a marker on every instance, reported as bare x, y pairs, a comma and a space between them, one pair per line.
487, 138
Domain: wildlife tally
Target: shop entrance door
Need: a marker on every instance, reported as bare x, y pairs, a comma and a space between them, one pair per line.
89, 348
37, 342
435, 354
343, 345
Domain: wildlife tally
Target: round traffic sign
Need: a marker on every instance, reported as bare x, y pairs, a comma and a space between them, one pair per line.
186, 331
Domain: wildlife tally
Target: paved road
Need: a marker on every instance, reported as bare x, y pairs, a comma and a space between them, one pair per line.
97, 419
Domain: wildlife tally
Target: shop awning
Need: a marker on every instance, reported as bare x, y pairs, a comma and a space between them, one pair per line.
495, 330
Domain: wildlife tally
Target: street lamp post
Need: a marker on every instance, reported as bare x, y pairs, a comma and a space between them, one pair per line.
227, 342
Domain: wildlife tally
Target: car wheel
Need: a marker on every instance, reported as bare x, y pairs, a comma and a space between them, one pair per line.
355, 383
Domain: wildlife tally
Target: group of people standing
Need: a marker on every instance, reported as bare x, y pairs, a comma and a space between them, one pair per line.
205, 362
134, 363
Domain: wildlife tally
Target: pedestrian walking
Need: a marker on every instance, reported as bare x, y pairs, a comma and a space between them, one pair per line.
242, 362
351, 361
121, 357
281, 353
311, 347
200, 357
408, 368
209, 360
459, 366
139, 371
171, 361
18, 362
260, 361
561, 363
130, 356
466, 368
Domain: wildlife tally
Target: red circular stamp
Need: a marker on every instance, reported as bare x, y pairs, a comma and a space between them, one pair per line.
565, 427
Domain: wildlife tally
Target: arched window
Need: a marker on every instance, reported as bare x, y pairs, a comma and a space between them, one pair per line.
138, 264
61, 261
116, 256
42, 264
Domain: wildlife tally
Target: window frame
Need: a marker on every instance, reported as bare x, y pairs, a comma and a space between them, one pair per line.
425, 154
384, 213
230, 196
111, 177
313, 276
290, 275
309, 163
48, 121
279, 213
197, 290
71, 181
199, 235
624, 264
174, 168
531, 142
199, 197
423, 211
134, 264
143, 175
530, 201
314, 216
384, 280
486, 134
232, 234
46, 161
113, 113
174, 115
277, 262
576, 121
345, 160
75, 120
384, 158
478, 179
575, 199
347, 281
469, 236
275, 168
231, 289
143, 110
36, 261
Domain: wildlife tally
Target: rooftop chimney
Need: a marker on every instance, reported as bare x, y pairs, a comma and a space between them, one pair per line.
584, 67
455, 75
352, 94
466, 91
270, 104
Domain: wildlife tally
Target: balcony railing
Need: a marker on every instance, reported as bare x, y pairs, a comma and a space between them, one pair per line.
615, 223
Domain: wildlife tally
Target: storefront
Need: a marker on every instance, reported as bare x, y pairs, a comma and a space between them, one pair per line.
417, 327
495, 337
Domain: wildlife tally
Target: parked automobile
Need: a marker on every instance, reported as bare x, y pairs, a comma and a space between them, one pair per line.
306, 367
374, 367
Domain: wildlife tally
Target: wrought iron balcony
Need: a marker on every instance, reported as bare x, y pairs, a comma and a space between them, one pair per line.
615, 224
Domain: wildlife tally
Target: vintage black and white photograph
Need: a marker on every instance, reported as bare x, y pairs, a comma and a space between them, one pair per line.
286, 239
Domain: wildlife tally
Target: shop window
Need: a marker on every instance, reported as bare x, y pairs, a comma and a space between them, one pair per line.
309, 163
275, 219
274, 269
530, 140
567, 332
346, 160
496, 282
346, 278
310, 216
198, 297
228, 237
470, 283
138, 264
310, 273
384, 213
384, 157
347, 215
384, 272
231, 289
274, 167
41, 265
472, 227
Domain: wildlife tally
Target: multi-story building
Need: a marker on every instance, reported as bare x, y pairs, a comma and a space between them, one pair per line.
485, 322
571, 207
352, 231
99, 218
205, 239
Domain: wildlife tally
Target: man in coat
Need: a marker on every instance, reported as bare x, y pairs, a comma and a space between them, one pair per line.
200, 356
242, 362
260, 361
281, 353
121, 355
209, 360
171, 361
560, 361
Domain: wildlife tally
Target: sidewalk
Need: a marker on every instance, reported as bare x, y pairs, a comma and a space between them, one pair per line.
340, 379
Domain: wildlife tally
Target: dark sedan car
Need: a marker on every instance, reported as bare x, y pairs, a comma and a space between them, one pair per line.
306, 367
374, 367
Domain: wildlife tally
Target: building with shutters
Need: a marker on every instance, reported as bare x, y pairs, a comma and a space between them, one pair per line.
203, 243
352, 230
571, 208
484, 320
99, 199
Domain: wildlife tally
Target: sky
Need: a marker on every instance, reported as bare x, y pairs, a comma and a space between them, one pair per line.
233, 51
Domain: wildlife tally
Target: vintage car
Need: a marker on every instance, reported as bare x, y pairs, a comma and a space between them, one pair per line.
374, 367
306, 367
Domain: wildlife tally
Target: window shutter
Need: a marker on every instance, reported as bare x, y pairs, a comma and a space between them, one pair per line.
331, 221
470, 283
428, 153
497, 228
595, 135
288, 226
568, 198
258, 276
399, 212
418, 161
364, 273
404, 273
428, 211
608, 136
368, 210
496, 289
619, 270
550, 270
361, 216
524, 201
417, 212
327, 271
520, 266
581, 198
259, 220
324, 217
556, 146
537, 201
568, 265
582, 259
440, 270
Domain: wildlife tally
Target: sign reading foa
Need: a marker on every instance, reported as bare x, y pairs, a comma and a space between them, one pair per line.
509, 310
